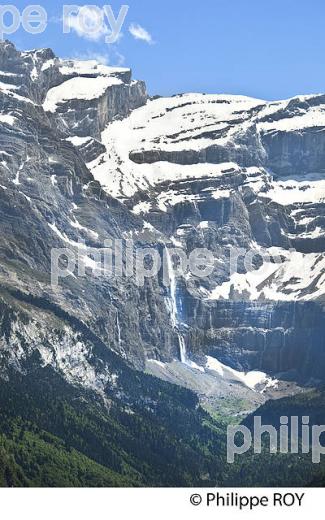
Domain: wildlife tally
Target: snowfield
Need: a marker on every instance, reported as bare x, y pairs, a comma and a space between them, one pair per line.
78, 88
290, 276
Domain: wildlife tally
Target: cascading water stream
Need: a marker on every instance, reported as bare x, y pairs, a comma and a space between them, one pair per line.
182, 348
118, 329
173, 306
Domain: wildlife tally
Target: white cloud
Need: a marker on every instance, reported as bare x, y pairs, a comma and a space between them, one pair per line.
91, 25
140, 33
94, 23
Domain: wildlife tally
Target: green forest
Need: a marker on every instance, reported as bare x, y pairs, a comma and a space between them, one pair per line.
53, 434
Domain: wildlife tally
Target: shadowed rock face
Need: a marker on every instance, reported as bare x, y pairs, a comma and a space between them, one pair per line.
272, 337
292, 153
90, 117
49, 199
95, 159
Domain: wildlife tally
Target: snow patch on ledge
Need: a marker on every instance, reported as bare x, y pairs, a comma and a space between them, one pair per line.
254, 380
78, 88
251, 379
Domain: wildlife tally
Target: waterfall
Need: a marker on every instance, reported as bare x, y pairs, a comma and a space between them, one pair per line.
195, 206
173, 306
182, 348
118, 329
264, 333
172, 289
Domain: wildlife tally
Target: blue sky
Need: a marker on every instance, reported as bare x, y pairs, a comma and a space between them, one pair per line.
271, 49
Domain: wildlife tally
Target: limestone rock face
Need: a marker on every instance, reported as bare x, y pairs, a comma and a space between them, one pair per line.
240, 177
86, 156
49, 199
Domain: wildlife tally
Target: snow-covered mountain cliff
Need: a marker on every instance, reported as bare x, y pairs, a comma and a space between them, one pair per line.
86, 155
